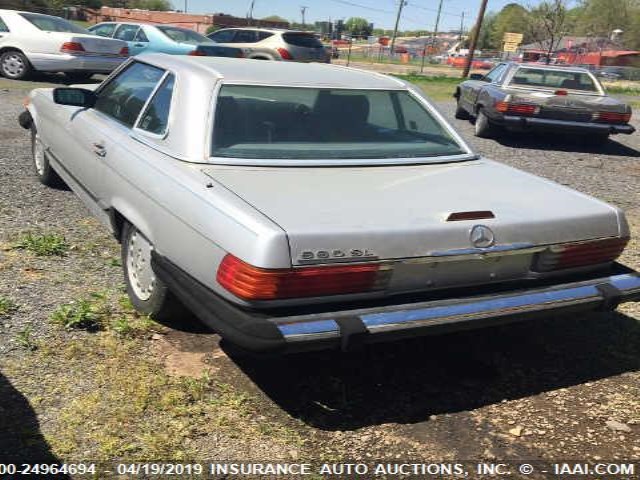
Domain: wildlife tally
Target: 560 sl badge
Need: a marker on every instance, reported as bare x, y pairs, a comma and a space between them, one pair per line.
335, 255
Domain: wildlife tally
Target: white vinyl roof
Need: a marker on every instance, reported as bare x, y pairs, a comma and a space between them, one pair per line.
265, 72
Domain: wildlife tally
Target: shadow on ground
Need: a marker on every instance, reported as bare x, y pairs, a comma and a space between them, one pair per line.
20, 437
406, 382
566, 143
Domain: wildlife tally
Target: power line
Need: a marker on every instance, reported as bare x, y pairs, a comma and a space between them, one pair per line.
411, 5
366, 7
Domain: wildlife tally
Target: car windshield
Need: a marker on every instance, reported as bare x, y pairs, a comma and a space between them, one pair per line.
183, 35
554, 79
47, 23
261, 122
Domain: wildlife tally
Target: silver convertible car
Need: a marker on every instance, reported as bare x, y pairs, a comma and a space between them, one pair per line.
299, 206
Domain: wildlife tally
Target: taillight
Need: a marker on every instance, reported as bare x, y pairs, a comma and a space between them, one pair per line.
611, 117
197, 53
284, 53
561, 93
124, 52
253, 283
517, 108
573, 255
71, 47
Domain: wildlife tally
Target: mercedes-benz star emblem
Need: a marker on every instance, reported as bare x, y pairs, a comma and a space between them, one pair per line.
481, 236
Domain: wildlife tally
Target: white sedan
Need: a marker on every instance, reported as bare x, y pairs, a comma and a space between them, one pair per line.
34, 42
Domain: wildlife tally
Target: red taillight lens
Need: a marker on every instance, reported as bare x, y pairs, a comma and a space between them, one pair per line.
253, 283
71, 47
124, 52
284, 53
573, 255
612, 117
561, 93
517, 108
197, 53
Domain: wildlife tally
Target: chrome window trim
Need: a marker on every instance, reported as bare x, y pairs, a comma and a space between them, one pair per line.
136, 126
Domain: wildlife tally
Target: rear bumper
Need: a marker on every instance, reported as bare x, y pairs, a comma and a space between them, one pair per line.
546, 124
62, 62
265, 331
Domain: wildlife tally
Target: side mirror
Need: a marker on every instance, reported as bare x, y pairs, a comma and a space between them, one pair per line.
476, 76
76, 97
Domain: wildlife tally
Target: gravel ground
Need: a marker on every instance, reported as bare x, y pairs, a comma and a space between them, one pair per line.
556, 389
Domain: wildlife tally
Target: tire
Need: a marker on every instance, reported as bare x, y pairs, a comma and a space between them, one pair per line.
45, 173
461, 113
78, 77
148, 294
483, 126
14, 65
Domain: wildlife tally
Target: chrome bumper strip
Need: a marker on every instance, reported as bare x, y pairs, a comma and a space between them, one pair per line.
438, 313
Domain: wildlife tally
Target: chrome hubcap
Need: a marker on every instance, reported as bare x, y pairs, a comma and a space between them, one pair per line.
38, 156
13, 65
141, 275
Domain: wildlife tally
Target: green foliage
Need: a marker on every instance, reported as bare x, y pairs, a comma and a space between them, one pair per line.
7, 306
43, 245
86, 314
512, 18
274, 18
358, 26
25, 340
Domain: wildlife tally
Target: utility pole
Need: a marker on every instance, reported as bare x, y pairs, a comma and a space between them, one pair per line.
250, 12
395, 28
434, 36
185, 6
474, 38
302, 10
461, 27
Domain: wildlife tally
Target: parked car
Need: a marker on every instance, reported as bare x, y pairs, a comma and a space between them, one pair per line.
273, 44
476, 63
527, 97
163, 39
283, 230
31, 42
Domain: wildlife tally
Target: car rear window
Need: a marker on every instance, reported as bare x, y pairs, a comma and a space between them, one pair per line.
47, 23
183, 35
554, 79
302, 40
259, 122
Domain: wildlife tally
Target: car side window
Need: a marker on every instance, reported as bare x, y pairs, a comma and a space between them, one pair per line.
105, 30
155, 118
495, 74
3, 26
245, 36
223, 36
126, 94
141, 36
263, 35
126, 32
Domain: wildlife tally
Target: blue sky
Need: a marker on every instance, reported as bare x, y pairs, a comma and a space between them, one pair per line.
417, 14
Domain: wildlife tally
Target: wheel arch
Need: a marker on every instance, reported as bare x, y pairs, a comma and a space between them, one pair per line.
12, 49
120, 214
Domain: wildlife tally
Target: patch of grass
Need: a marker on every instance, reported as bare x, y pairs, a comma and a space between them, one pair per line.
25, 340
436, 87
43, 245
87, 314
7, 306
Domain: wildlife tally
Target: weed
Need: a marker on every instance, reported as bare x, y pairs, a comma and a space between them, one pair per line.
43, 245
24, 339
7, 306
88, 314
114, 262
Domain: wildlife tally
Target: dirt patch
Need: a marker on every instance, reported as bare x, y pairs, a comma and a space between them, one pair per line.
188, 355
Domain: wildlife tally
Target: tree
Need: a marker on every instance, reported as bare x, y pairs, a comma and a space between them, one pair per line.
599, 18
512, 18
485, 41
547, 25
358, 27
275, 18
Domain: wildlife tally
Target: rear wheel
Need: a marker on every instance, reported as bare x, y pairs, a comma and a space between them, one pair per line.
484, 127
14, 65
44, 172
149, 295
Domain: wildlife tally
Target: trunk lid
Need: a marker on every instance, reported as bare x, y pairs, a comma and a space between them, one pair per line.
400, 212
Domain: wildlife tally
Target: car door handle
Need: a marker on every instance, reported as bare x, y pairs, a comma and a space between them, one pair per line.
139, 45
99, 149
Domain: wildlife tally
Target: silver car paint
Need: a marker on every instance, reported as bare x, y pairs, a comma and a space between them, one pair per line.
195, 212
